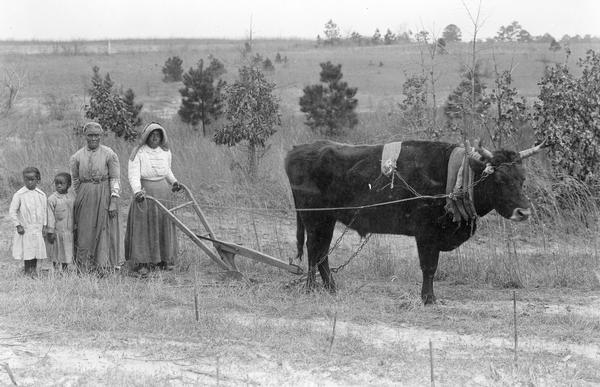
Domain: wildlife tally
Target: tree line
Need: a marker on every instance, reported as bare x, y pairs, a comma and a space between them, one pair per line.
512, 32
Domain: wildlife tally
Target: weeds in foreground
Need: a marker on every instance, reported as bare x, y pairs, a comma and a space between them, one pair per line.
382, 328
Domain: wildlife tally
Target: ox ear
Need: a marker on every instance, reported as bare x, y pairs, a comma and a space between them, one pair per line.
477, 166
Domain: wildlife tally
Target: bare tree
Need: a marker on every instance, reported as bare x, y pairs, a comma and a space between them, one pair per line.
510, 108
477, 24
428, 50
12, 83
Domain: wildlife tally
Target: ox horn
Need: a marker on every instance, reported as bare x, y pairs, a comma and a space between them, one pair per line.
482, 151
533, 150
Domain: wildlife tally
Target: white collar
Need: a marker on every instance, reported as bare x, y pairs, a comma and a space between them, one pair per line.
26, 190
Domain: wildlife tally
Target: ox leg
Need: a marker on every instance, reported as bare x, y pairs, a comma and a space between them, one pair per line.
317, 246
428, 258
326, 275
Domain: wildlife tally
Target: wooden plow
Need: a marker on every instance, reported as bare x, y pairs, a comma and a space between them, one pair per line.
225, 251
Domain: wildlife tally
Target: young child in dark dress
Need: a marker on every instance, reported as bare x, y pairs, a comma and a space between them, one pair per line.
60, 223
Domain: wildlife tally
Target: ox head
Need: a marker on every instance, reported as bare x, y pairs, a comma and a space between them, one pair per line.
502, 187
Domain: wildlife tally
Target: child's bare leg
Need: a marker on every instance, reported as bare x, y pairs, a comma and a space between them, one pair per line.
30, 266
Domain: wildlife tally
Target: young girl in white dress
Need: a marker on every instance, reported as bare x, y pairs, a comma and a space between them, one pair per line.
28, 212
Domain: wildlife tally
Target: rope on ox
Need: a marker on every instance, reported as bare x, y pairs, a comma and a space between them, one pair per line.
489, 169
365, 240
417, 196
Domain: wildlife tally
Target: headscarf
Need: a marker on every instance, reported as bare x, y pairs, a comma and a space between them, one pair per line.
93, 128
164, 144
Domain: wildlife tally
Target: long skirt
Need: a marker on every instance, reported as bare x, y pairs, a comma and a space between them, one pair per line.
150, 235
96, 235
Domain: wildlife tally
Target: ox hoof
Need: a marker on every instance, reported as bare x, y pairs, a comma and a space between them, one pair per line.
309, 287
428, 299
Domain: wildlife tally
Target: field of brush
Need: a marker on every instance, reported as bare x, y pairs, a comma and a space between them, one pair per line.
265, 329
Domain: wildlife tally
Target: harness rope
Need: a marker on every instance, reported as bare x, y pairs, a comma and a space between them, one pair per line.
368, 236
417, 196
365, 240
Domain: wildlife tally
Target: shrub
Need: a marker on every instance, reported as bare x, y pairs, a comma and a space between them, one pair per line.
568, 113
414, 105
554, 45
172, 69
389, 37
267, 65
510, 109
12, 84
252, 113
441, 46
247, 49
57, 107
332, 33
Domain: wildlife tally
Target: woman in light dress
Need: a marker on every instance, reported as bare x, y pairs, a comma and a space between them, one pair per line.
150, 239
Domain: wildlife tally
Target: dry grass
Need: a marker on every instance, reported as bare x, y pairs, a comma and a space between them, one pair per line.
552, 259
502, 254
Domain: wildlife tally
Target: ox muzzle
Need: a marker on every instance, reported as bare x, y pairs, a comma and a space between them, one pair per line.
520, 214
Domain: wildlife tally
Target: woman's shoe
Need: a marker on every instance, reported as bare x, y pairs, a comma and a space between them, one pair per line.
143, 271
165, 266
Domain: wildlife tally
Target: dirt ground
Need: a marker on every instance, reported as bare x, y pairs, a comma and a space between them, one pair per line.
46, 357
468, 345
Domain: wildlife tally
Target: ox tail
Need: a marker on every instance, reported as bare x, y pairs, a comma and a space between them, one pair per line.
299, 236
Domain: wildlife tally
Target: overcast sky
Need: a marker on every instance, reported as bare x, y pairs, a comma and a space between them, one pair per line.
86, 19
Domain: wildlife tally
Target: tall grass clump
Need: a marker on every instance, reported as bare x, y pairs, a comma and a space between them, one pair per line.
208, 169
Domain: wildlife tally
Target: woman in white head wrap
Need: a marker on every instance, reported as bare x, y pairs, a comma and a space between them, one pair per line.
150, 240
95, 172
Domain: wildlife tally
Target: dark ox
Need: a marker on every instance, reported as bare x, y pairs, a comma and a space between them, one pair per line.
325, 174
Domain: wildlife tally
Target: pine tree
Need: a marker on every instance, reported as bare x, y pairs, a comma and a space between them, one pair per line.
201, 94
389, 37
331, 104
133, 108
376, 38
461, 107
332, 33
116, 113
257, 60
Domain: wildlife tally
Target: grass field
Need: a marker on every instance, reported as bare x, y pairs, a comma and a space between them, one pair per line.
80, 330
